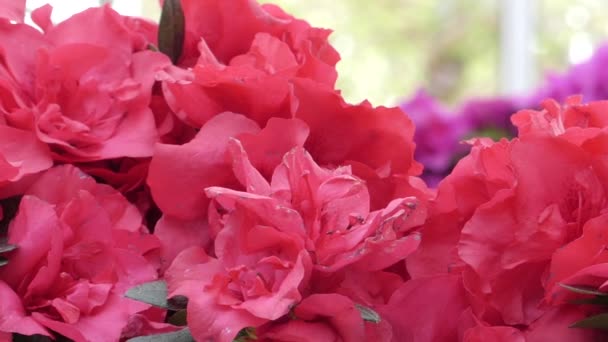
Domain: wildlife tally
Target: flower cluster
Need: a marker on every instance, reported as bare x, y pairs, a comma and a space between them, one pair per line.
202, 179
233, 172
519, 228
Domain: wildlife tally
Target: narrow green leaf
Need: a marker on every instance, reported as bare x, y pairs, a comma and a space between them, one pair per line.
31, 338
177, 302
10, 207
603, 300
493, 133
593, 322
587, 290
177, 336
155, 293
179, 318
368, 314
246, 335
171, 29
7, 248
152, 47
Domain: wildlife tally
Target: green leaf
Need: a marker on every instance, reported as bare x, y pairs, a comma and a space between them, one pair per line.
39, 338
176, 336
493, 133
31, 338
179, 318
368, 314
593, 322
171, 29
152, 47
587, 290
155, 293
177, 302
603, 300
245, 335
10, 207
7, 248
4, 247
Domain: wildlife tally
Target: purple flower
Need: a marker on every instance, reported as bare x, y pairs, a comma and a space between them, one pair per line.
488, 115
589, 79
439, 131
436, 135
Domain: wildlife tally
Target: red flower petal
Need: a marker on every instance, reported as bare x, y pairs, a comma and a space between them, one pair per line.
14, 318
177, 235
498, 334
339, 311
340, 132
587, 250
418, 309
32, 230
13, 10
21, 153
176, 172
267, 148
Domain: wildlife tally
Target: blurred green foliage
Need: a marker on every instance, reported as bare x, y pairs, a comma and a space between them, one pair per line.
563, 23
390, 48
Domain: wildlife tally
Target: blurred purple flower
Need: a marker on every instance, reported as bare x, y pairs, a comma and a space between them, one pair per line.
589, 79
488, 115
439, 131
437, 134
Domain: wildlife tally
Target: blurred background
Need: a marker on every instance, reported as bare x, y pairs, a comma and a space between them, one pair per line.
454, 48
